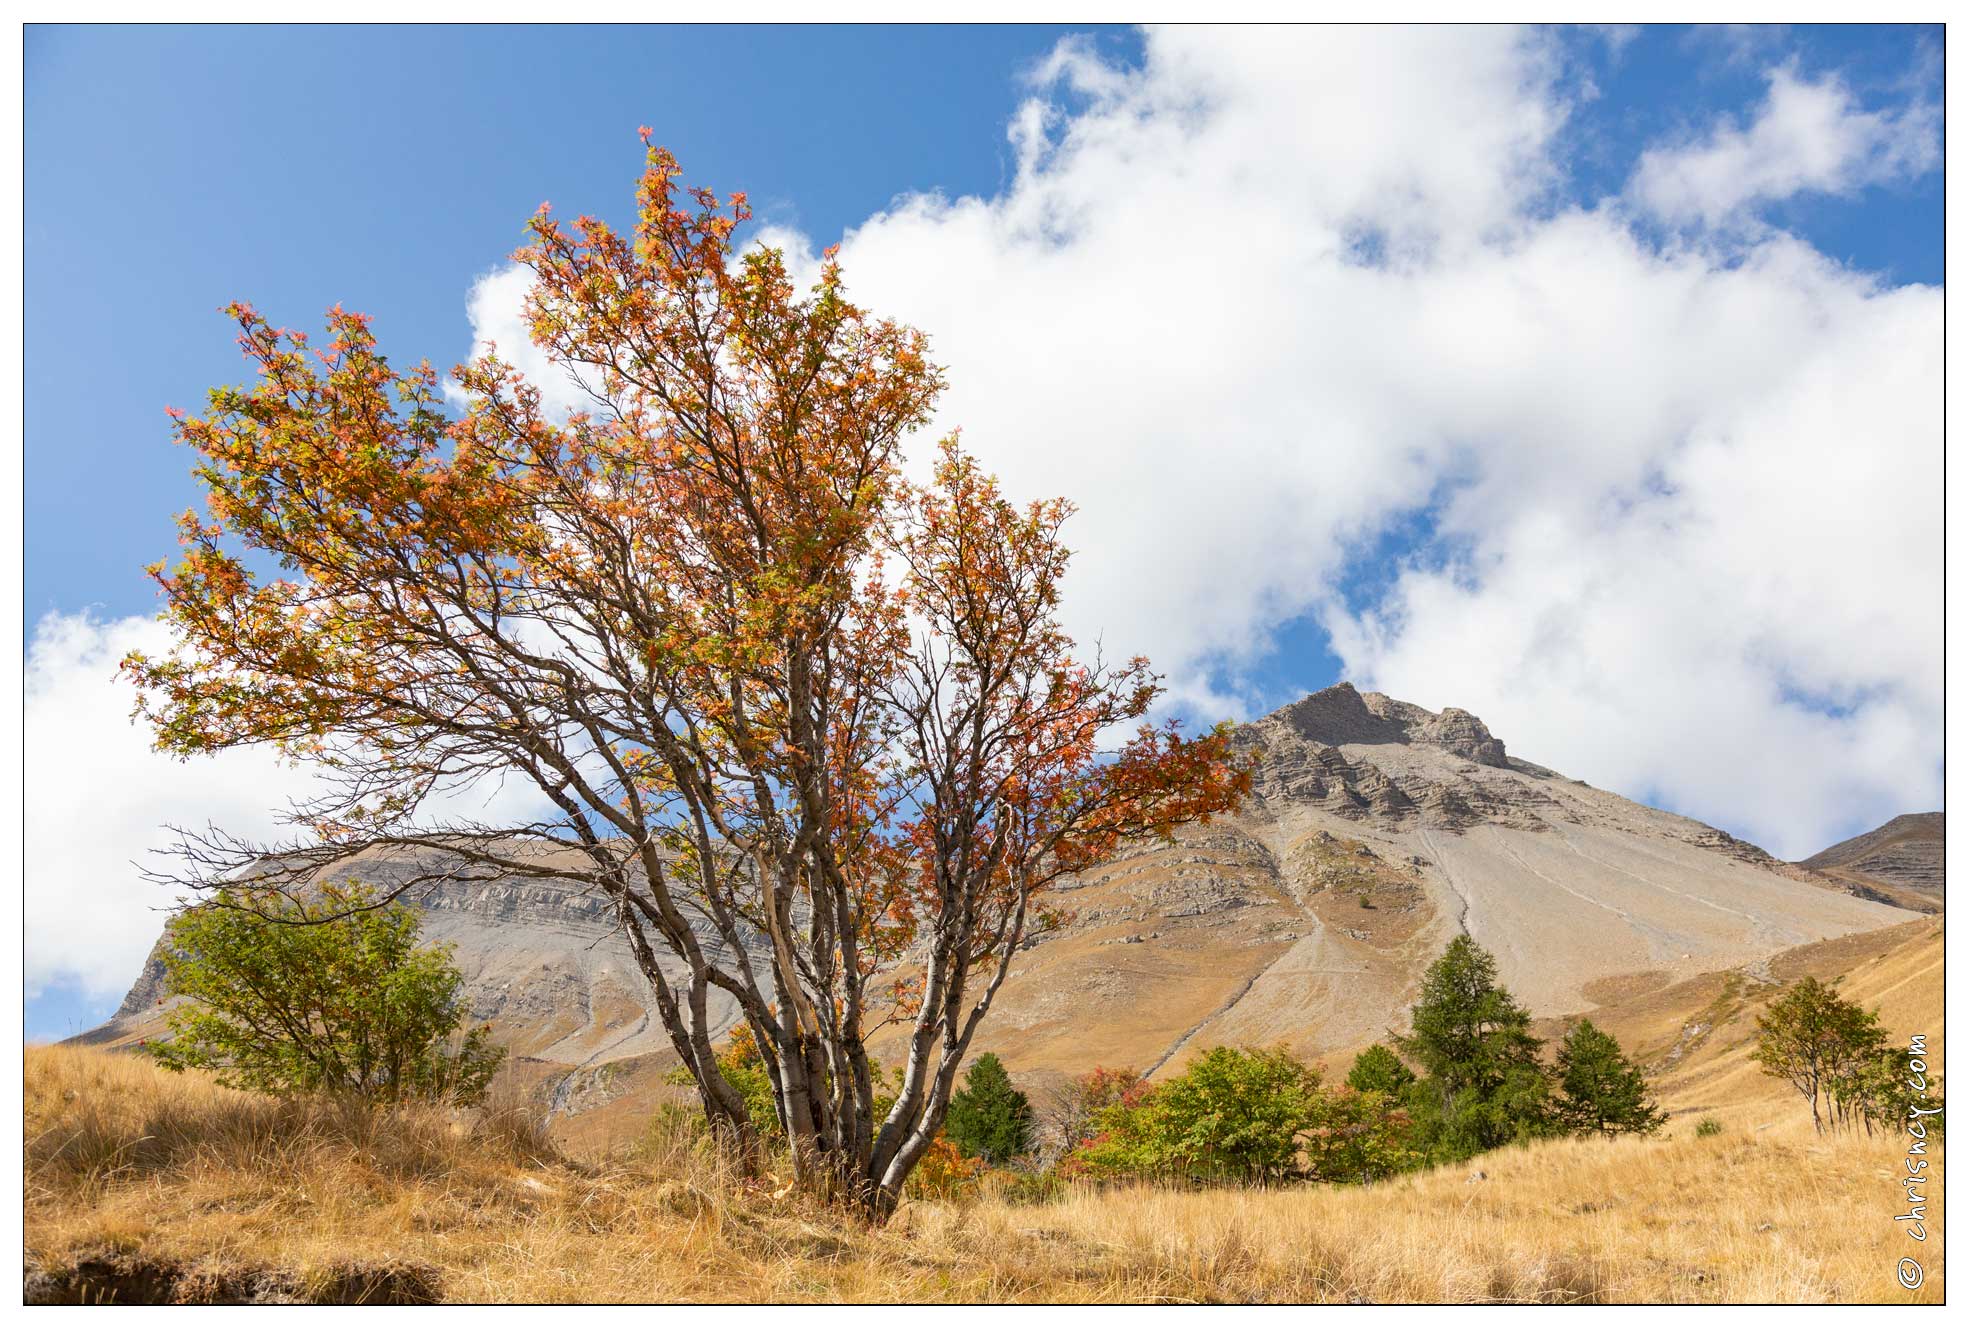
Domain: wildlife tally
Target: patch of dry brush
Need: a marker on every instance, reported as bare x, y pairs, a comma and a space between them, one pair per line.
143, 1184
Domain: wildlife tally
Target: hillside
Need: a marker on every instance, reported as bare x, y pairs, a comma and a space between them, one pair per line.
1376, 832
147, 1186
1903, 861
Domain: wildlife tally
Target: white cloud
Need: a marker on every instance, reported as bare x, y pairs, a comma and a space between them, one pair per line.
497, 309
99, 798
98, 801
1271, 292
1808, 137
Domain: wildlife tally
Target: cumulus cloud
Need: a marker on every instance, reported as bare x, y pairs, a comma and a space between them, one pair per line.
1272, 294
99, 801
1809, 136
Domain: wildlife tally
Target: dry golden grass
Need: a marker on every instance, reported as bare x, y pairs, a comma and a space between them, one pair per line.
204, 1191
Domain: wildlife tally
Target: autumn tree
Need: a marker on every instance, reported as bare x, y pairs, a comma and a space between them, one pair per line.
1358, 1135
327, 995
1600, 1089
814, 729
1073, 1107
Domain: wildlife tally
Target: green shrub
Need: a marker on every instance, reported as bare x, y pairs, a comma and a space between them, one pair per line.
1707, 1127
1235, 1114
1353, 1136
332, 994
1378, 1070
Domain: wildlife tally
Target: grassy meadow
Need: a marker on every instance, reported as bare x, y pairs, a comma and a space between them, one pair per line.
146, 1185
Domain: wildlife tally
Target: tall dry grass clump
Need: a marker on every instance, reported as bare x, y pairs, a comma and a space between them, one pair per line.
148, 1186
95, 1120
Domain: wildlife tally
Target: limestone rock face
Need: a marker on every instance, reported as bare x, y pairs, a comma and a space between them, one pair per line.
1371, 757
1463, 734
1339, 715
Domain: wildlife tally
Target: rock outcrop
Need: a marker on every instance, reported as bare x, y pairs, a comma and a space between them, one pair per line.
1369, 757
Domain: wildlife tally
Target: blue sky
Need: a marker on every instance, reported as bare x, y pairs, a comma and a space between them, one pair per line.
169, 170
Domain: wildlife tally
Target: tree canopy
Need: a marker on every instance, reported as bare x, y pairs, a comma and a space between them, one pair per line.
1233, 1114
1378, 1070
1601, 1091
1483, 1083
800, 714
1835, 1053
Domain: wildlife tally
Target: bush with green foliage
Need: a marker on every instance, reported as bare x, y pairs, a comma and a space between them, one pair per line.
748, 1074
1601, 1091
332, 994
1379, 1070
1483, 1085
1707, 1127
1355, 1136
1235, 1114
745, 1071
988, 1118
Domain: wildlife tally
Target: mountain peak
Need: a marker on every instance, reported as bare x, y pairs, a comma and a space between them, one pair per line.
1342, 714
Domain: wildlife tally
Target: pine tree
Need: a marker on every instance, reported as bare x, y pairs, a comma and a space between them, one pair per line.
989, 1119
1378, 1070
1485, 1086
1600, 1089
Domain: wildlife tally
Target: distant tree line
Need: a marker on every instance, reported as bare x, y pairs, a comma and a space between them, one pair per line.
335, 994
1467, 1078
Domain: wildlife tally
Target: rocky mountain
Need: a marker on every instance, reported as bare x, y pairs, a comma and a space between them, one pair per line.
1376, 832
1901, 860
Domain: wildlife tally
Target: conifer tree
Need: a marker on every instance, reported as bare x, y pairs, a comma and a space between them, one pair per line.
1601, 1089
1378, 1070
1485, 1086
989, 1119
